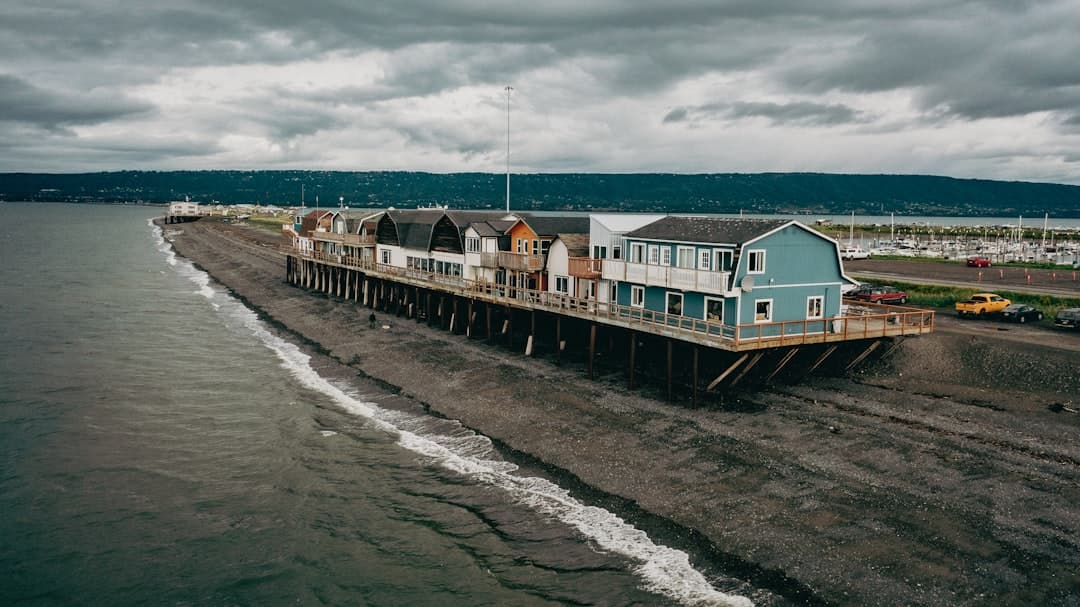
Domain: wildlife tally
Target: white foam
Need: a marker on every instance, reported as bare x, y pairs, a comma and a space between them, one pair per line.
328, 433
665, 570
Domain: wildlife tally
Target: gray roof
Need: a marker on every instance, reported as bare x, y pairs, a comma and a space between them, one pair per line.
497, 227
550, 225
414, 227
577, 245
715, 230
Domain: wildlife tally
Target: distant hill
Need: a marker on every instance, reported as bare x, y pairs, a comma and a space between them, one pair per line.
810, 193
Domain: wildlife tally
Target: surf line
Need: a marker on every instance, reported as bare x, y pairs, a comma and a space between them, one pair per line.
665, 570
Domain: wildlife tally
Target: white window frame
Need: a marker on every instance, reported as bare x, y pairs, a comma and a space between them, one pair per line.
667, 302
385, 257
637, 252
685, 258
654, 255
472, 244
665, 255
562, 284
535, 247
705, 310
750, 265
637, 294
722, 260
704, 261
768, 316
820, 300
599, 251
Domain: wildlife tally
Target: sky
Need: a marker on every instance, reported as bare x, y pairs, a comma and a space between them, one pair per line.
987, 89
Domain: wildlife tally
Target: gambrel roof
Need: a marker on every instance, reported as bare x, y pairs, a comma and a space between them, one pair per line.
712, 230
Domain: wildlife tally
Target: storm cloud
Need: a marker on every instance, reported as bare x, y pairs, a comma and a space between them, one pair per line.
970, 89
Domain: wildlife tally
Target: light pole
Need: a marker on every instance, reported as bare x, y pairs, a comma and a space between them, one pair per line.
508, 89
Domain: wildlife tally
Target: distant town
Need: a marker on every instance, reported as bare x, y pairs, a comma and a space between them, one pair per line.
760, 193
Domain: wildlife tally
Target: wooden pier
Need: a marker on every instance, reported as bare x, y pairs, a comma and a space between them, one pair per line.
690, 354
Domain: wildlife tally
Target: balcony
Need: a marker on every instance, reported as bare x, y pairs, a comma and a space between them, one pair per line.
585, 267
521, 262
367, 240
328, 236
683, 279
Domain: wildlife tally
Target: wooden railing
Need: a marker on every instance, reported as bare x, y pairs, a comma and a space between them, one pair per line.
489, 260
585, 267
863, 321
521, 262
684, 279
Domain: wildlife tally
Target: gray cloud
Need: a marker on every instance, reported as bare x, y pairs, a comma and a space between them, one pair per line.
21, 101
803, 113
876, 71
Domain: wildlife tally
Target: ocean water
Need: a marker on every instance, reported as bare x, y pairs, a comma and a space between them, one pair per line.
161, 445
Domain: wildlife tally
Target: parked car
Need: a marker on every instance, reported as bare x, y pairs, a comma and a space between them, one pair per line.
978, 262
1020, 313
1069, 318
982, 305
854, 253
863, 288
885, 295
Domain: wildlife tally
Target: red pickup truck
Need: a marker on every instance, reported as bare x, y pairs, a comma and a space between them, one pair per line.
885, 295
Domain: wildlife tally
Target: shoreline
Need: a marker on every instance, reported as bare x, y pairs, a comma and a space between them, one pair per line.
891, 509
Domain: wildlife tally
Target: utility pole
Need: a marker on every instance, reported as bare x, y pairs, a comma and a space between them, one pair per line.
508, 89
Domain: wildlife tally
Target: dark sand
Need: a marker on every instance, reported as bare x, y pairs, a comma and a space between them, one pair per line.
947, 475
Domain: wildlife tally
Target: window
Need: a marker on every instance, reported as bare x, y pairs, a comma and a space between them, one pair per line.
654, 254
674, 303
385, 257
714, 309
637, 253
613, 296
616, 252
562, 284
686, 257
472, 245
535, 247
763, 310
665, 256
704, 259
815, 307
755, 262
522, 246
544, 246
590, 290
637, 296
722, 260
599, 252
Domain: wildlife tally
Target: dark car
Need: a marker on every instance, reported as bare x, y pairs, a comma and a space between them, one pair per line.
1069, 318
978, 262
1021, 313
863, 288
885, 295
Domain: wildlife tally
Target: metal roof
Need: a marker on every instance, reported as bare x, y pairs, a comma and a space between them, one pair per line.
714, 230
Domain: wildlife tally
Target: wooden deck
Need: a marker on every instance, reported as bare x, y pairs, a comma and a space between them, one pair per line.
863, 321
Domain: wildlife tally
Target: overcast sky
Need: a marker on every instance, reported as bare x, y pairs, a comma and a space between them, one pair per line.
987, 89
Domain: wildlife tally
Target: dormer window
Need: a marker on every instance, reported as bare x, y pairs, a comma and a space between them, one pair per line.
755, 261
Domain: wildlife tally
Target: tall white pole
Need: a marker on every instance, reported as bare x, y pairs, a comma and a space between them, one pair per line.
508, 89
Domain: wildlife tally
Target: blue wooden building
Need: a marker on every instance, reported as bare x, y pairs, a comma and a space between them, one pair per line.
754, 276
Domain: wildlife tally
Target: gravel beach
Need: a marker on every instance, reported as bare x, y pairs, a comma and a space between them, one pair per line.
946, 474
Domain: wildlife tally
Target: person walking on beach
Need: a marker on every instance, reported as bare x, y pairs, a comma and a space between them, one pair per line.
371, 320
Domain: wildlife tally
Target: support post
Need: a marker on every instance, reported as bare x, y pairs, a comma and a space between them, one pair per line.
693, 391
558, 339
670, 360
592, 347
633, 359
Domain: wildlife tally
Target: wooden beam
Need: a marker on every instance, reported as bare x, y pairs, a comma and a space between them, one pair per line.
861, 357
729, 371
633, 359
753, 361
592, 347
783, 363
693, 392
558, 339
820, 359
487, 308
670, 360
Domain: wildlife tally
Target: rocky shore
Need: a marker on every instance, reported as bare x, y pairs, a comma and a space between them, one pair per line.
948, 474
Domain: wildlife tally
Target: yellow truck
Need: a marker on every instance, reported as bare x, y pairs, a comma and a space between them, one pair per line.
981, 304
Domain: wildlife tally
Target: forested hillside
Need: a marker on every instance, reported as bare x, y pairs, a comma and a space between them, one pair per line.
716, 193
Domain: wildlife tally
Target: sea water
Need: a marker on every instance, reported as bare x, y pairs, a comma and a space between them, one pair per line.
162, 445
